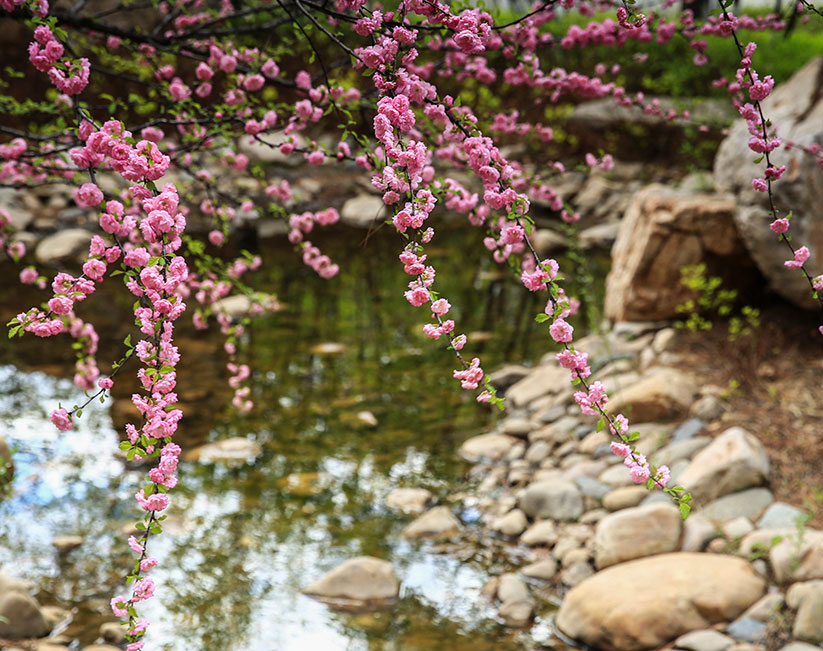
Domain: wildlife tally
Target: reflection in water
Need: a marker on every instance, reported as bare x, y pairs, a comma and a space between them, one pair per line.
241, 541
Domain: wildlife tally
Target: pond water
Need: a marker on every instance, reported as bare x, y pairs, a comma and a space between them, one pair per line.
241, 541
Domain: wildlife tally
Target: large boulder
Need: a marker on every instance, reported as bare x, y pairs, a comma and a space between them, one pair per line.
364, 581
637, 532
661, 394
662, 232
733, 461
797, 108
645, 603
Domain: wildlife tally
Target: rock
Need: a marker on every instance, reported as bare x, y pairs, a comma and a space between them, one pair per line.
665, 393
799, 591
765, 608
697, 532
364, 580
241, 305
800, 646
602, 235
793, 555
684, 449
808, 623
733, 461
436, 523
706, 640
20, 616
304, 484
708, 408
409, 500
542, 380
540, 533
516, 613
557, 499
538, 451
363, 210
366, 418
579, 555
747, 629
231, 450
749, 503
576, 573
797, 107
486, 447
504, 377
512, 524
592, 488
628, 607
618, 477
328, 348
54, 615
624, 497
64, 544
545, 241
688, 430
112, 632
544, 570
636, 532
68, 245
510, 588
737, 528
101, 647
662, 232
519, 427
780, 515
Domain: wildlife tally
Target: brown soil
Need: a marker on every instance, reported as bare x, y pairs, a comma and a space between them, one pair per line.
772, 381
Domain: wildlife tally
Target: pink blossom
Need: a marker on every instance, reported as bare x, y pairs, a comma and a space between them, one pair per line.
561, 331
800, 257
780, 225
62, 420
88, 195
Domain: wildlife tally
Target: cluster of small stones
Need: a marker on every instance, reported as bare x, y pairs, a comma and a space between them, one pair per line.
548, 484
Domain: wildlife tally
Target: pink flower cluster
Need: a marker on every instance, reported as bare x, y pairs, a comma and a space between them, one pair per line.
45, 51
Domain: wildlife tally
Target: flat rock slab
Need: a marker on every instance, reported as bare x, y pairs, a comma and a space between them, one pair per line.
360, 581
630, 607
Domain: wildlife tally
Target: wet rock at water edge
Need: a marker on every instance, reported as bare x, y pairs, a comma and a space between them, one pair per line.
361, 582
486, 446
65, 544
409, 500
232, 450
436, 524
511, 524
20, 616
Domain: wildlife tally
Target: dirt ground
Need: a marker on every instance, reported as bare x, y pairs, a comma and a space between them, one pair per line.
773, 382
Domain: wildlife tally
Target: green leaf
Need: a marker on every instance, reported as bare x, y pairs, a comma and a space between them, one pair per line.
601, 424
684, 510
633, 436
542, 317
